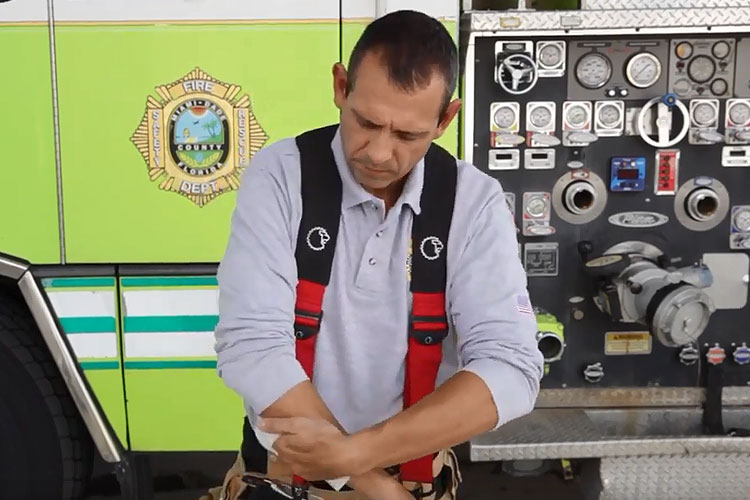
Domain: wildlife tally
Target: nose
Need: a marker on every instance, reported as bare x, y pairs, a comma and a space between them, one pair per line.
380, 148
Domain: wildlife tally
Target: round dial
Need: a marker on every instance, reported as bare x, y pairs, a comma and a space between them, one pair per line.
720, 50
504, 117
609, 115
704, 114
550, 56
741, 220
536, 207
681, 86
719, 86
701, 69
540, 117
576, 116
683, 50
643, 70
593, 70
739, 113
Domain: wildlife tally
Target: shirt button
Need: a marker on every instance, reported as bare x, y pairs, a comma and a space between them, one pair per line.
372, 261
379, 234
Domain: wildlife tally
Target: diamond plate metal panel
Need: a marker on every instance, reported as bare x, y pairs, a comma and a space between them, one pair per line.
659, 4
549, 434
719, 476
636, 397
607, 19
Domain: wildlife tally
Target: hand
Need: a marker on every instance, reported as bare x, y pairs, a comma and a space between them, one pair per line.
312, 448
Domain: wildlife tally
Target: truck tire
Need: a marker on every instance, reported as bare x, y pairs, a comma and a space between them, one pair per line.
45, 449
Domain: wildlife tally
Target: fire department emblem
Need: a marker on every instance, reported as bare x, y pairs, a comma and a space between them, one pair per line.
198, 136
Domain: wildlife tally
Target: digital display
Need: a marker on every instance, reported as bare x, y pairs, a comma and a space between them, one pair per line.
539, 156
627, 173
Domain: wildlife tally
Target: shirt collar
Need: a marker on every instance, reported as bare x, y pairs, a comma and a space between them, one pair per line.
354, 194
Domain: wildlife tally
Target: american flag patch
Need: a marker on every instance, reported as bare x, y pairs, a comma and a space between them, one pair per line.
523, 304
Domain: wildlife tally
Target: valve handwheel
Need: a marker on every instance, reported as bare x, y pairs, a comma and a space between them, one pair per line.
517, 74
666, 104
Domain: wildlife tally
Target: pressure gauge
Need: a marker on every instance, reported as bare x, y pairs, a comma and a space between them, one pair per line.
576, 116
550, 56
739, 113
741, 220
683, 50
719, 86
643, 70
704, 114
593, 70
504, 117
721, 49
540, 117
701, 69
536, 206
609, 115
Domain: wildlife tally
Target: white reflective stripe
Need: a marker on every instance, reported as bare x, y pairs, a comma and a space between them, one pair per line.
83, 303
28, 10
147, 345
171, 302
94, 345
133, 10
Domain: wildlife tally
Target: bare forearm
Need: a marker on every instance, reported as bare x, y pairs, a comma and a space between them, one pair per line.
458, 410
304, 401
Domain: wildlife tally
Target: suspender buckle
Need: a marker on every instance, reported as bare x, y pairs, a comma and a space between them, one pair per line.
428, 330
306, 324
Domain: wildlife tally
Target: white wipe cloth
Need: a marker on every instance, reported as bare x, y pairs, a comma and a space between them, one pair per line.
267, 439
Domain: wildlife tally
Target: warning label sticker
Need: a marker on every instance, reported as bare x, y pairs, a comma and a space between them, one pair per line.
627, 343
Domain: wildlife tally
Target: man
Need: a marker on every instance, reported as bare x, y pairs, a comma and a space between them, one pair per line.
350, 421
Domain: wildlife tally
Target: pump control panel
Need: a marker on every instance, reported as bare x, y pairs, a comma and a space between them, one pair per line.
629, 155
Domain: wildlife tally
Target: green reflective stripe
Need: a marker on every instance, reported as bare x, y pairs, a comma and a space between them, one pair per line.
175, 363
151, 324
77, 282
94, 324
169, 281
100, 365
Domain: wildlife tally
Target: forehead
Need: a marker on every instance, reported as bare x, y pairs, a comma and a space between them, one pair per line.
384, 102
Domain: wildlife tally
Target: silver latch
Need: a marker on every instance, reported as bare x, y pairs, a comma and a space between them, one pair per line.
689, 355
593, 373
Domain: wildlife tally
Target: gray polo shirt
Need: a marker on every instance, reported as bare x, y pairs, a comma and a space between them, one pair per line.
361, 347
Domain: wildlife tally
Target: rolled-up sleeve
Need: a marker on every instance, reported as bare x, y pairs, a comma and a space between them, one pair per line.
491, 312
257, 278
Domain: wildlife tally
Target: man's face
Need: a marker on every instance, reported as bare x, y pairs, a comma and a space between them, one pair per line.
385, 130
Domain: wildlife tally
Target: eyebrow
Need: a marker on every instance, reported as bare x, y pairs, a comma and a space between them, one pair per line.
412, 133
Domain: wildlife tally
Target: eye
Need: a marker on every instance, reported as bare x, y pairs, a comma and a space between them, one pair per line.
407, 137
366, 123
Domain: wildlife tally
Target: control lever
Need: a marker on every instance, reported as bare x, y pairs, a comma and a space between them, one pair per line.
711, 136
545, 139
582, 137
508, 139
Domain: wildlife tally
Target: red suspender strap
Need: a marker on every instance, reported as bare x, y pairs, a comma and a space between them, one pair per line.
316, 241
308, 313
428, 324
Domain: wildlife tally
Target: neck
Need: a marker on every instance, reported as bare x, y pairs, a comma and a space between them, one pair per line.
389, 194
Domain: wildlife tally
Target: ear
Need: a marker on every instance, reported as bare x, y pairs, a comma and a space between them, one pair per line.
447, 118
340, 81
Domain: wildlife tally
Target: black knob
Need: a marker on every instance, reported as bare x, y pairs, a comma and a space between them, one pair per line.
585, 248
